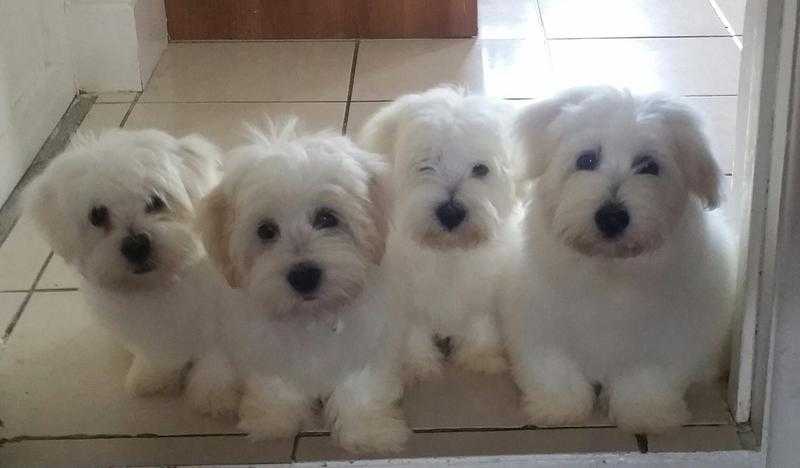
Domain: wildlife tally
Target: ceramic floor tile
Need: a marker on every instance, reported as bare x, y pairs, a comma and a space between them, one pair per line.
225, 123
56, 340
387, 69
696, 439
629, 18
734, 12
514, 442
461, 399
685, 66
164, 451
9, 305
59, 275
360, 112
122, 96
707, 404
21, 256
508, 19
103, 116
252, 71
719, 113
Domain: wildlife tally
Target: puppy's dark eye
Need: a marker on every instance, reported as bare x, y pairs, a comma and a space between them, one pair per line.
268, 231
480, 170
99, 216
426, 169
588, 160
325, 218
645, 165
155, 204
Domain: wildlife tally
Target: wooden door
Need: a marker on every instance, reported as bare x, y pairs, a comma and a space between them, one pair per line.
320, 19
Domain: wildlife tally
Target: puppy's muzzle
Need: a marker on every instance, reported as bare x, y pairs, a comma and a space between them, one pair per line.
612, 219
304, 277
451, 214
137, 249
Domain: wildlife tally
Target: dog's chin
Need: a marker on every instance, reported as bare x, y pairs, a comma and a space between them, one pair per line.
465, 237
317, 306
144, 277
621, 248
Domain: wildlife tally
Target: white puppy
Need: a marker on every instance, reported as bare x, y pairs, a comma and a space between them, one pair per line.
452, 181
120, 208
297, 225
626, 281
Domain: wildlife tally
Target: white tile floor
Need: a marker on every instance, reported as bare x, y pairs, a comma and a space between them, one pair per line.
61, 397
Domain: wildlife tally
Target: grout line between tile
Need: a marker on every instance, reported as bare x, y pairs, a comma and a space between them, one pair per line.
737, 38
540, 18
13, 323
257, 101
130, 110
51, 290
597, 38
25, 438
295, 443
350, 87
233, 41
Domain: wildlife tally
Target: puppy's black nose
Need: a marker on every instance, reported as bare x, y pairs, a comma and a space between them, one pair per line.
612, 219
136, 248
304, 277
451, 214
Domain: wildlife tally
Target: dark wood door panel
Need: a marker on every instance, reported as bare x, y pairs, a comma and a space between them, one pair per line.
319, 19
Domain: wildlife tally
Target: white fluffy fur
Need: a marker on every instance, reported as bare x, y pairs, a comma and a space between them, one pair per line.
645, 314
165, 317
338, 345
444, 282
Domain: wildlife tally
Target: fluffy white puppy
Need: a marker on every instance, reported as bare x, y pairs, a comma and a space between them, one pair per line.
626, 281
454, 200
120, 208
297, 224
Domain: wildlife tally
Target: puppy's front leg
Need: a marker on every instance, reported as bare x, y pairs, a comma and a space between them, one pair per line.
422, 358
272, 408
555, 391
648, 401
213, 387
149, 376
364, 412
479, 349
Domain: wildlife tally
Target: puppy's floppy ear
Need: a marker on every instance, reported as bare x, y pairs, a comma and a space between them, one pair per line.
40, 202
200, 165
692, 149
379, 193
532, 126
379, 134
214, 221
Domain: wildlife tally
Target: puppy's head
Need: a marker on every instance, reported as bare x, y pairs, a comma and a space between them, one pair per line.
297, 220
616, 171
120, 207
451, 166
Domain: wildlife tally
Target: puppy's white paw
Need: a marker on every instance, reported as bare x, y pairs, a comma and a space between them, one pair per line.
568, 405
271, 410
215, 399
641, 409
488, 360
375, 431
212, 388
144, 379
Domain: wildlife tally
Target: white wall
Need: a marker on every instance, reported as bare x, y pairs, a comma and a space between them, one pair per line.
37, 81
116, 43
